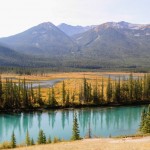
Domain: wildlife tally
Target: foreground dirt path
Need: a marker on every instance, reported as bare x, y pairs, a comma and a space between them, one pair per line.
97, 144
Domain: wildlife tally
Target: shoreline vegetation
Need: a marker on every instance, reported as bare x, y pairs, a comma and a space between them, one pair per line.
43, 141
42, 109
18, 95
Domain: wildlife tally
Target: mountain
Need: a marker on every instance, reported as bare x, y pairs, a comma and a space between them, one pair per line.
115, 44
108, 45
44, 39
73, 30
9, 57
125, 25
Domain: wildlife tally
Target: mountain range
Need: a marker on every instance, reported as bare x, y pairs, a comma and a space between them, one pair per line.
112, 44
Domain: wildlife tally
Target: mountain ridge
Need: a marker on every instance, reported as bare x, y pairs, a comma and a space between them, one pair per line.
105, 45
42, 39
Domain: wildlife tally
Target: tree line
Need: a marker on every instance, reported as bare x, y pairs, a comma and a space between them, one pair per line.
21, 94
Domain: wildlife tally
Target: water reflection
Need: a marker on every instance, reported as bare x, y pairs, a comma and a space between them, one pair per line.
102, 121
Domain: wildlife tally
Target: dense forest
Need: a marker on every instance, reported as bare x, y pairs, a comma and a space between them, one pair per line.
21, 94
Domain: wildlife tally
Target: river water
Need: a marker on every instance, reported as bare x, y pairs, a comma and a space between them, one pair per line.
102, 122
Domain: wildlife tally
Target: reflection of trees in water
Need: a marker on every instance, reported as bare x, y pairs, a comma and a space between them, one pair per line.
51, 118
118, 118
13, 122
84, 118
109, 118
39, 119
9, 123
100, 119
27, 121
64, 117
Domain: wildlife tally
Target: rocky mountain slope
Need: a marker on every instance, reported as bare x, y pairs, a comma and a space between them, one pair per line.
112, 44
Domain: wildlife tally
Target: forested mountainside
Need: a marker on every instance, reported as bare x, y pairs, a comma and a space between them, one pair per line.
106, 45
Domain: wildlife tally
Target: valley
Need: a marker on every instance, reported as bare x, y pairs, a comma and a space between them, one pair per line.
112, 45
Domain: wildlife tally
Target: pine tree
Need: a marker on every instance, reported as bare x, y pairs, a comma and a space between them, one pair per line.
143, 116
67, 99
41, 137
75, 130
32, 141
39, 96
32, 94
53, 99
63, 93
102, 91
13, 140
1, 91
109, 90
146, 126
145, 121
28, 141
117, 91
44, 138
130, 87
95, 94
85, 89
49, 97
73, 97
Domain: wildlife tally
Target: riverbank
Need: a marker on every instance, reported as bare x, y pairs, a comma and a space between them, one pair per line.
75, 106
130, 143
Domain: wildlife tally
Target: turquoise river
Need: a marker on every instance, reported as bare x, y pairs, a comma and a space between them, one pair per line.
102, 122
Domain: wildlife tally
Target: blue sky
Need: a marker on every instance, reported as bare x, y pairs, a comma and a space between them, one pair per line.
19, 15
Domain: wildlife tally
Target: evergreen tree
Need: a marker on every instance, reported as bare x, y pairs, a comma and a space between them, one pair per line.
95, 94
49, 98
80, 94
1, 92
28, 141
130, 87
39, 96
32, 141
143, 116
118, 91
32, 94
145, 121
53, 99
75, 130
73, 97
109, 90
67, 99
41, 137
63, 92
44, 138
13, 140
102, 91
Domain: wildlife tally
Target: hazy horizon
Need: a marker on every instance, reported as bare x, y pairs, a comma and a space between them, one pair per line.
18, 16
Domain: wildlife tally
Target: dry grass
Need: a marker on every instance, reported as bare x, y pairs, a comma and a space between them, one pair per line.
73, 81
97, 144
